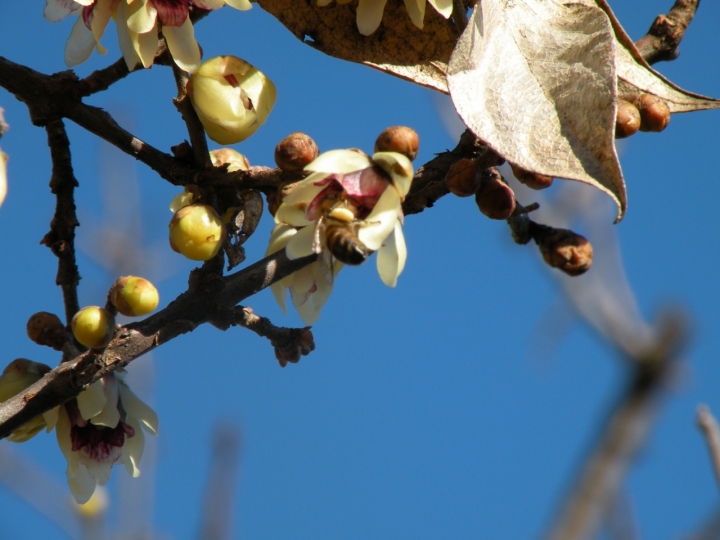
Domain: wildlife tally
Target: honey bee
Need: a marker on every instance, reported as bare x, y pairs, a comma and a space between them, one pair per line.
342, 241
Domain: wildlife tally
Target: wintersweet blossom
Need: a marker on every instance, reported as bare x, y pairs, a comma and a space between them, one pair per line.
138, 24
101, 426
16, 377
353, 192
370, 12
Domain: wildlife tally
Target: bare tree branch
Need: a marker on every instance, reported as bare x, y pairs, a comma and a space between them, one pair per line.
711, 430
662, 42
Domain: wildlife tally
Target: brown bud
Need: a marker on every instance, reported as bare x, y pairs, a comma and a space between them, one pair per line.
531, 179
463, 178
46, 329
295, 151
287, 354
566, 250
400, 139
272, 204
494, 198
654, 112
627, 121
306, 342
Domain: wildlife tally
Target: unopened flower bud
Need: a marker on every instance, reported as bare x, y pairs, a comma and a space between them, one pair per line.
566, 250
16, 377
231, 98
134, 296
232, 158
463, 178
531, 179
46, 329
306, 342
627, 121
295, 151
654, 112
93, 327
400, 139
494, 198
197, 232
287, 354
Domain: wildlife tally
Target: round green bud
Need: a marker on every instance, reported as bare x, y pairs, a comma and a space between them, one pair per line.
93, 327
197, 231
134, 296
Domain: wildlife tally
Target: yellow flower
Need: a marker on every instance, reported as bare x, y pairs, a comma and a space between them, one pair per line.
138, 23
231, 98
16, 377
370, 12
349, 207
103, 425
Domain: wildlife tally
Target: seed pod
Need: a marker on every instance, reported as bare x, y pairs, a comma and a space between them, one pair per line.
46, 329
494, 198
400, 139
93, 327
654, 113
531, 179
627, 121
463, 178
295, 151
197, 232
134, 296
566, 250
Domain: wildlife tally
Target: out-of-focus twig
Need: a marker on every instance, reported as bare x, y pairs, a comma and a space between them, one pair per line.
711, 430
622, 435
221, 488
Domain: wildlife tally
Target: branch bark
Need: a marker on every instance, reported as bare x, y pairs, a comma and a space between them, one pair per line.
662, 41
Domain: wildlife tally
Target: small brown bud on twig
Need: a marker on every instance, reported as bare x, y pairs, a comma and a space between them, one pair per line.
463, 178
400, 139
46, 329
306, 342
627, 121
531, 179
287, 354
295, 151
566, 250
494, 197
654, 113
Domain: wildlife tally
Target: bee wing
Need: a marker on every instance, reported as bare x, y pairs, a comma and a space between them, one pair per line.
318, 233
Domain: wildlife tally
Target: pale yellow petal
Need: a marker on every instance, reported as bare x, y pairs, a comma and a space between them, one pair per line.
141, 16
398, 167
183, 47
133, 449
309, 310
102, 13
300, 245
51, 418
242, 5
416, 10
137, 408
391, 257
146, 46
92, 400
443, 7
369, 15
339, 162
82, 485
109, 416
62, 433
381, 221
126, 38
279, 237
79, 45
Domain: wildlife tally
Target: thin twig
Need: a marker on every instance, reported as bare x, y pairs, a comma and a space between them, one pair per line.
61, 238
662, 42
711, 430
459, 15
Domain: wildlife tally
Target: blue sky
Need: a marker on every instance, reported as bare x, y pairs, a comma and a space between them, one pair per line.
426, 411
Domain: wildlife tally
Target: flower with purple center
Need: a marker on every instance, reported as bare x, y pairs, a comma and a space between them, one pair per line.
102, 426
350, 191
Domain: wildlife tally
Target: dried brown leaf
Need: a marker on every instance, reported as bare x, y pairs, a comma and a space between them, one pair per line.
535, 80
398, 47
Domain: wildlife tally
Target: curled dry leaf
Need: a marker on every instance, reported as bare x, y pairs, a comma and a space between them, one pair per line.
538, 81
398, 47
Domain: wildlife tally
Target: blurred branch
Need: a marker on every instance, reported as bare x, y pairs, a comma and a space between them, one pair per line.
623, 435
61, 238
222, 484
662, 41
711, 430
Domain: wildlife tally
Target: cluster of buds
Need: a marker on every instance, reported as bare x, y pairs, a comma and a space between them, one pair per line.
290, 351
346, 209
131, 296
644, 112
138, 26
